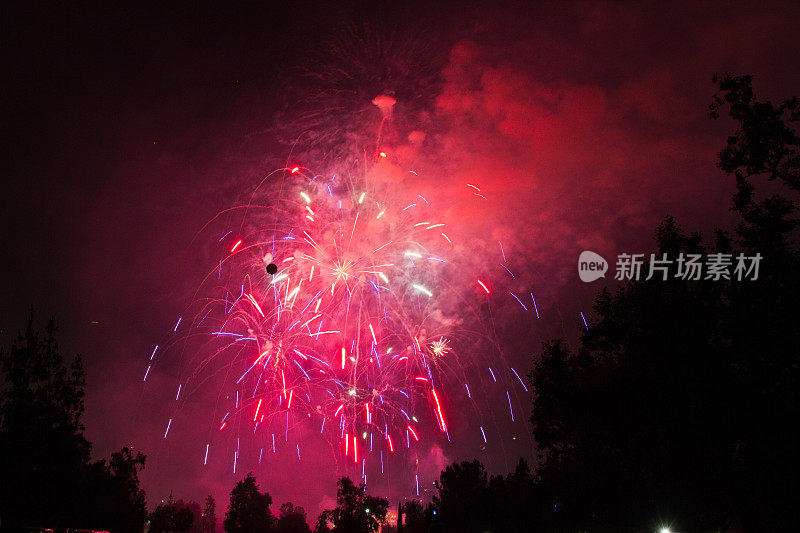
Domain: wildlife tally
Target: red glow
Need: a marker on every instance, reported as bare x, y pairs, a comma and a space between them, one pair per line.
295, 169
413, 433
389, 440
235, 246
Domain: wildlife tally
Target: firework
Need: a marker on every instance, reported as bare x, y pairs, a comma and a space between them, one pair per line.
335, 306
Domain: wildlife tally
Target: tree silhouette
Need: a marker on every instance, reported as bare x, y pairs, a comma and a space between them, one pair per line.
292, 519
357, 511
248, 511
42, 447
766, 143
762, 320
174, 516
184, 519
162, 519
209, 517
463, 497
196, 512
399, 526
415, 520
110, 495
468, 499
44, 457
673, 407
517, 502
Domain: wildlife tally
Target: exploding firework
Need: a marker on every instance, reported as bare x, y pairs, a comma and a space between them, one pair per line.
337, 304
348, 331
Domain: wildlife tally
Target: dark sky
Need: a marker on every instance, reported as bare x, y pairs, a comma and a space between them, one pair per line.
126, 130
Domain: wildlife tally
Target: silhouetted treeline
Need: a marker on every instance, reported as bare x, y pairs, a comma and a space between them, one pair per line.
249, 512
48, 479
356, 512
174, 516
468, 499
680, 404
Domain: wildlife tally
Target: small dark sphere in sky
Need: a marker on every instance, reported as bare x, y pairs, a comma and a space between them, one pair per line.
272, 268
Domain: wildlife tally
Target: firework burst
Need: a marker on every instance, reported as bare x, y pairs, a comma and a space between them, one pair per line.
337, 305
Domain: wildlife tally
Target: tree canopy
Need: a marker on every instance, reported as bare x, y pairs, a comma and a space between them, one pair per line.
209, 516
292, 519
673, 408
356, 512
248, 511
175, 516
48, 478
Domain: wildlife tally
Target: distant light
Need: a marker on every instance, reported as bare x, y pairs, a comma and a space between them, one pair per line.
665, 530
295, 169
383, 154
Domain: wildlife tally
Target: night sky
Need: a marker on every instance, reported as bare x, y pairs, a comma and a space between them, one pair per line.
584, 124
